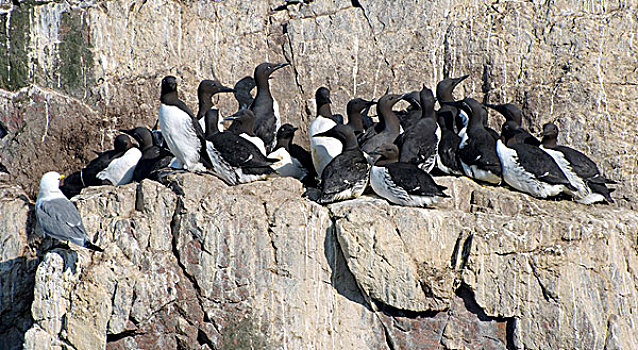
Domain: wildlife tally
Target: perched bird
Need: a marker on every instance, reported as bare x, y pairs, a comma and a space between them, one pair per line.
511, 112
120, 170
346, 176
57, 216
234, 159
447, 160
409, 117
371, 139
354, 110
87, 176
243, 122
205, 92
293, 160
154, 156
242, 92
402, 183
477, 150
590, 186
266, 109
181, 130
323, 149
527, 168
444, 90
420, 142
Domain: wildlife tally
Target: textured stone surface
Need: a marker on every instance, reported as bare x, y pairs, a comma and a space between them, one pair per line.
17, 265
195, 264
95, 67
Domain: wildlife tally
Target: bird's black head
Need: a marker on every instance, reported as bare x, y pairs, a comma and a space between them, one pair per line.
509, 110
386, 154
509, 130
445, 87
245, 118
122, 143
426, 98
389, 100
211, 87
245, 84
550, 130
322, 96
264, 70
358, 104
286, 130
413, 99
169, 84
142, 135
343, 133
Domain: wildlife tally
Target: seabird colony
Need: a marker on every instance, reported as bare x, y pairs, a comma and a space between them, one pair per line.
394, 156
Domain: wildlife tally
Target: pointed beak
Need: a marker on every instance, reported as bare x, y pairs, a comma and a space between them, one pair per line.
371, 102
61, 176
295, 128
458, 80
232, 117
281, 65
226, 89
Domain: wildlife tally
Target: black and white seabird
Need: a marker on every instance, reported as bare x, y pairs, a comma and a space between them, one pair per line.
234, 159
294, 161
154, 156
87, 176
354, 110
511, 112
590, 186
346, 176
477, 150
205, 92
57, 216
181, 131
444, 90
419, 144
447, 160
371, 138
527, 168
265, 107
402, 183
242, 92
120, 170
323, 149
243, 125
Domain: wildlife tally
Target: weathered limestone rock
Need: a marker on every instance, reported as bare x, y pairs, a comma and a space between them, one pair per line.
91, 68
17, 266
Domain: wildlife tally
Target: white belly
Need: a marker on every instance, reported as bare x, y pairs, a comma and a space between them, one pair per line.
323, 149
120, 170
287, 166
255, 141
582, 190
180, 137
520, 179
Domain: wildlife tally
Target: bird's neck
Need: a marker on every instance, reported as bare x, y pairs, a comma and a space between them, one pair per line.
325, 111
205, 103
390, 119
549, 142
50, 193
263, 89
355, 121
169, 98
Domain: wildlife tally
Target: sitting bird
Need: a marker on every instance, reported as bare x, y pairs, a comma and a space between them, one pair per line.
57, 216
402, 183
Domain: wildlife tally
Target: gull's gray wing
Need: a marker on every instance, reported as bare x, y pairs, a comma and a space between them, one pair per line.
60, 219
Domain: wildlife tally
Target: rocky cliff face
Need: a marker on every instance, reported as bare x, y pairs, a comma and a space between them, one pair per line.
73, 72
195, 264
192, 263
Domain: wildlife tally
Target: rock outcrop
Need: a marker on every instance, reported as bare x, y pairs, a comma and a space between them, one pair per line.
73, 72
193, 263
